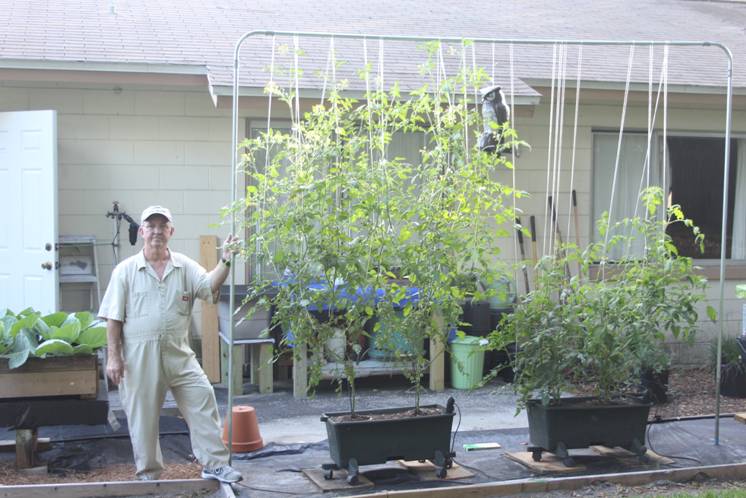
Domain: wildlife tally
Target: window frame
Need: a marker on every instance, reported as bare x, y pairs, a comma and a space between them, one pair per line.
710, 267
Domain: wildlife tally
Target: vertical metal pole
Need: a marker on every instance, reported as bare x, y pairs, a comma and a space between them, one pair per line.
232, 293
723, 239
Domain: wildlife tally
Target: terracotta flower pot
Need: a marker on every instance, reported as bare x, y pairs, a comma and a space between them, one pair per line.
246, 435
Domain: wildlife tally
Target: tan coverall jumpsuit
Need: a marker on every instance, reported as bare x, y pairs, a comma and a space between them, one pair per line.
157, 357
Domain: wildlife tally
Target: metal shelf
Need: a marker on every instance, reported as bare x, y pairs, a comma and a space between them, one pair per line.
78, 264
365, 368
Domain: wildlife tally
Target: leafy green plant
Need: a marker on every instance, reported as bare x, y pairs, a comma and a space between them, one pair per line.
349, 232
28, 333
603, 331
730, 352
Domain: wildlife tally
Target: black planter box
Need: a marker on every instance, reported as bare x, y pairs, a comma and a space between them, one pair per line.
366, 442
733, 380
477, 315
582, 422
654, 385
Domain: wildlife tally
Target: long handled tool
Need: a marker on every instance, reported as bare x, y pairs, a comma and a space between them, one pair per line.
519, 229
558, 233
577, 224
534, 254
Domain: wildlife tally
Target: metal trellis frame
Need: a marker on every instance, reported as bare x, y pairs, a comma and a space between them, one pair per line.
502, 41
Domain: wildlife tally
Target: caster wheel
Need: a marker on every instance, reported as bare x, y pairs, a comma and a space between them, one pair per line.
441, 473
568, 462
536, 455
329, 475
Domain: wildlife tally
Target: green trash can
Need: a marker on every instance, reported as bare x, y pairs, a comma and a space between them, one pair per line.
467, 362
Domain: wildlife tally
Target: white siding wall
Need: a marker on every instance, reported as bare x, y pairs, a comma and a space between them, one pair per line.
139, 147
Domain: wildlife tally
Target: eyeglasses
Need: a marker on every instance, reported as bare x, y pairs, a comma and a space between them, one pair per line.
153, 227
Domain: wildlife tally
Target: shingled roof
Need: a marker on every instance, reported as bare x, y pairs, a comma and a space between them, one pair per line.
198, 37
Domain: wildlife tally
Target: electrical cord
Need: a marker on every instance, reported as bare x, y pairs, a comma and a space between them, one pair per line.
453, 440
269, 490
673, 457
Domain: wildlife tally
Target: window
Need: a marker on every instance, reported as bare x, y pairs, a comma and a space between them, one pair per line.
621, 200
695, 165
694, 179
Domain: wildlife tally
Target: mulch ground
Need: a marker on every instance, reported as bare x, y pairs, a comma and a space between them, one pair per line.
692, 392
119, 472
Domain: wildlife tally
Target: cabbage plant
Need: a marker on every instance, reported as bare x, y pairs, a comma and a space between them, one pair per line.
28, 333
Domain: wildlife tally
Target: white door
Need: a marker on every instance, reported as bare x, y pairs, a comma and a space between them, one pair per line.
28, 209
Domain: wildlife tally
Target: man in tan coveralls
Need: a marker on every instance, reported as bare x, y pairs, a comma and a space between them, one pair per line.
148, 307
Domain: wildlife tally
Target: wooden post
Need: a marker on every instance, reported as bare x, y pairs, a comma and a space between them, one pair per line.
266, 352
437, 355
210, 341
300, 372
25, 448
237, 367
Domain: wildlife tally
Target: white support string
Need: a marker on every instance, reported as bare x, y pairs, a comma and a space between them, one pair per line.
296, 114
558, 134
366, 69
443, 69
382, 92
493, 62
512, 124
326, 70
645, 178
258, 266
619, 142
574, 138
666, 189
466, 101
474, 75
546, 235
651, 119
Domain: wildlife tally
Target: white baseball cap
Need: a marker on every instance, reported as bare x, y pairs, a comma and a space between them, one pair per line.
151, 210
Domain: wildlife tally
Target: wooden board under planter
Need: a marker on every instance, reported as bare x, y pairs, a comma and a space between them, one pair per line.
53, 376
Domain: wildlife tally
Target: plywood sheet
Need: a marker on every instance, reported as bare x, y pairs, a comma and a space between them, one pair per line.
624, 453
549, 462
426, 470
339, 482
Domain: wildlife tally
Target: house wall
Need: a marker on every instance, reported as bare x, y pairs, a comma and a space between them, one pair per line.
143, 146
140, 147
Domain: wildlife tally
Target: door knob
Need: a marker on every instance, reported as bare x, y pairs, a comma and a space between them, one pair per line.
47, 265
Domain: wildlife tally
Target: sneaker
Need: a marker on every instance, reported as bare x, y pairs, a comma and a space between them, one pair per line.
223, 474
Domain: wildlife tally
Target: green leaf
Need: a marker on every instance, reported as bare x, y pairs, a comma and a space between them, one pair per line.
43, 329
68, 332
54, 347
712, 314
93, 337
55, 319
85, 318
25, 323
23, 345
82, 349
18, 358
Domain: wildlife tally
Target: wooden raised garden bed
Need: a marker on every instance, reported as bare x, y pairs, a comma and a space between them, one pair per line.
53, 376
